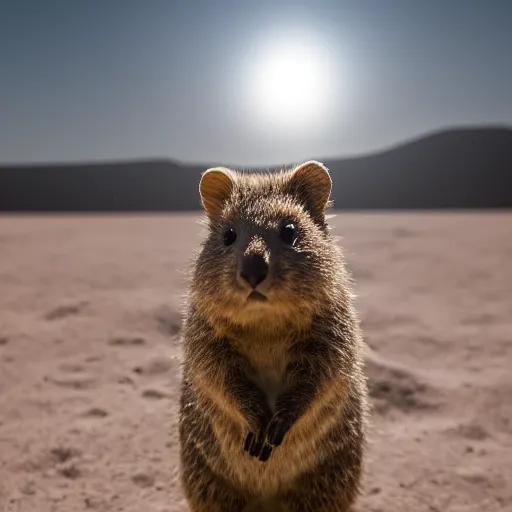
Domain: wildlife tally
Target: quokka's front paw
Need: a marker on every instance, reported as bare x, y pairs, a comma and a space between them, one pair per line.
255, 444
279, 425
257, 447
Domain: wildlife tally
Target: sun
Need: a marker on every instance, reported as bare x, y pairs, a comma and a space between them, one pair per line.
290, 83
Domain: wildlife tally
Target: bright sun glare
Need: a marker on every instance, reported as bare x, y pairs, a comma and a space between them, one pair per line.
291, 84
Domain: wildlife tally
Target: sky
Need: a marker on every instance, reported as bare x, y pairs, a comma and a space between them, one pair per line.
244, 82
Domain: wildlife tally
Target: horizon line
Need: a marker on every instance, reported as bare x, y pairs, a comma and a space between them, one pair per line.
168, 159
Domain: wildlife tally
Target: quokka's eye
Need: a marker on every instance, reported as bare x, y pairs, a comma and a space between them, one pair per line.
288, 233
229, 237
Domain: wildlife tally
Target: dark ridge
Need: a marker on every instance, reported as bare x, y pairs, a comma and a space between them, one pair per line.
453, 169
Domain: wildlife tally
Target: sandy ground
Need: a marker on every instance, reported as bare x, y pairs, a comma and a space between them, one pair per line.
89, 360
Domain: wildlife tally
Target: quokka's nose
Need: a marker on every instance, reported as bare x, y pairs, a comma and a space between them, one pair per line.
254, 269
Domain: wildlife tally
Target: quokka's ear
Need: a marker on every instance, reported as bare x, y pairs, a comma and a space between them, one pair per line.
215, 187
311, 183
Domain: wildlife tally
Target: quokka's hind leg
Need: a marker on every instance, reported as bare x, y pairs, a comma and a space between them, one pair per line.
211, 494
270, 505
303, 505
223, 502
331, 487
301, 501
205, 491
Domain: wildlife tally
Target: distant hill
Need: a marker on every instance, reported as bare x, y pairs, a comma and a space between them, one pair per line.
464, 168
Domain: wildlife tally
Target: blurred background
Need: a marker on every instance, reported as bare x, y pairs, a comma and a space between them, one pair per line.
408, 102
110, 112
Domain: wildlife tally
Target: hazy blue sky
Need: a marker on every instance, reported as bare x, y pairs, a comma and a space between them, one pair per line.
86, 79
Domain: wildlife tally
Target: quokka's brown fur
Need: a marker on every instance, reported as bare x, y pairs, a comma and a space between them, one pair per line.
274, 400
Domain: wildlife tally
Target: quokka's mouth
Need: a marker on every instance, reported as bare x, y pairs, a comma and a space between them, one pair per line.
257, 297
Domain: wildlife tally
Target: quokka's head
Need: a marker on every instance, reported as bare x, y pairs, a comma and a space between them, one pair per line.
268, 255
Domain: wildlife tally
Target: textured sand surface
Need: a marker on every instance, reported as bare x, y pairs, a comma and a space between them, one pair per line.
89, 360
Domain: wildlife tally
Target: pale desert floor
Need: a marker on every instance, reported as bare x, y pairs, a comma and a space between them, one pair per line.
89, 360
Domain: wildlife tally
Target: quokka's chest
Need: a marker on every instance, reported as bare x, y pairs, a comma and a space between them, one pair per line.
269, 363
